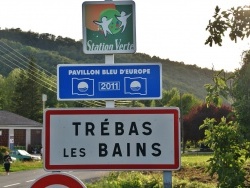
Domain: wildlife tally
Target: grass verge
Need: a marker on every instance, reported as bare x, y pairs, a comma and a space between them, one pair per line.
191, 175
22, 165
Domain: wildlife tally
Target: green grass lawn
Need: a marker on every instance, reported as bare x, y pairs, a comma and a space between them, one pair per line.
141, 179
196, 159
191, 175
20, 166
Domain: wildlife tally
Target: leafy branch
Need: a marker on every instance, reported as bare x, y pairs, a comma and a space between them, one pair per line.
236, 20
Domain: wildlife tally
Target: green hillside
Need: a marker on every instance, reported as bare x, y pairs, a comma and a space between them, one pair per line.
48, 50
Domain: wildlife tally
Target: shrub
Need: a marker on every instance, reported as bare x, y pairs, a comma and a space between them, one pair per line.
3, 149
230, 152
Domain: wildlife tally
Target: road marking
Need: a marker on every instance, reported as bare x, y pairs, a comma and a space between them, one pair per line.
30, 180
11, 185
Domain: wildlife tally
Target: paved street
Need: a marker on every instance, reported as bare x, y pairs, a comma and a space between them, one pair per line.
25, 179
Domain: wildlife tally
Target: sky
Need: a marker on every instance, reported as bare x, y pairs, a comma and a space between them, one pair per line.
173, 30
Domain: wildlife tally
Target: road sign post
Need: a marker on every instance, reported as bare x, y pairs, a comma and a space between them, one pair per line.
58, 180
109, 27
111, 138
109, 60
109, 81
115, 138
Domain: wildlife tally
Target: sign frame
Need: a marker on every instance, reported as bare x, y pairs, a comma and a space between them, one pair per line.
148, 75
119, 36
109, 112
58, 179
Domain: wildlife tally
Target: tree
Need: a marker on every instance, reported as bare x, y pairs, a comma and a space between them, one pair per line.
2, 81
186, 102
167, 95
228, 140
26, 100
8, 89
236, 20
173, 97
241, 94
49, 88
197, 115
18, 104
235, 86
33, 93
229, 148
221, 87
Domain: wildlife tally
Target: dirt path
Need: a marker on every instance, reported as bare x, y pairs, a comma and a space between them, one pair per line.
199, 174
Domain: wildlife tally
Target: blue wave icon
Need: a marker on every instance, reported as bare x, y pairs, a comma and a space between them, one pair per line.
83, 86
136, 85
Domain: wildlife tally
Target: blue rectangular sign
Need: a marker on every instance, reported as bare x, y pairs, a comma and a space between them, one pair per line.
109, 81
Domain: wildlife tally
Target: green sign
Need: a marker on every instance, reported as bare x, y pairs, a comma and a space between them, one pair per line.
108, 27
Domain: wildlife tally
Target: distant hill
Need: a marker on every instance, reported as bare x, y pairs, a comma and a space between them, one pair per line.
48, 50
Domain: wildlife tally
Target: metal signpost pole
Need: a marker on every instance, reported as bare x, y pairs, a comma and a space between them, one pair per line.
167, 179
109, 59
81, 86
167, 175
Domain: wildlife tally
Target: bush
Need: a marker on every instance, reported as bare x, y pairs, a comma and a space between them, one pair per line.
3, 149
135, 179
230, 152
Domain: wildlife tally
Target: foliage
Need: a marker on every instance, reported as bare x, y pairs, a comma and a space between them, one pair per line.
222, 87
191, 175
236, 87
1, 92
3, 149
200, 160
187, 102
143, 180
18, 165
33, 93
181, 178
184, 183
7, 88
129, 179
173, 97
25, 165
197, 114
228, 139
18, 97
27, 87
236, 20
26, 100
48, 51
241, 93
230, 152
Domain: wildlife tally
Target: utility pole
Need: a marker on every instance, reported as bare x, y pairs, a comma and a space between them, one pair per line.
181, 121
44, 99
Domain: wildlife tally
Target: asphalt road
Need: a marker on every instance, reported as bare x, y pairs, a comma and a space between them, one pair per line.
25, 179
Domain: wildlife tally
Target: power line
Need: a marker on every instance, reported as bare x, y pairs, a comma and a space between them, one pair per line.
31, 74
45, 81
46, 71
29, 77
25, 63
